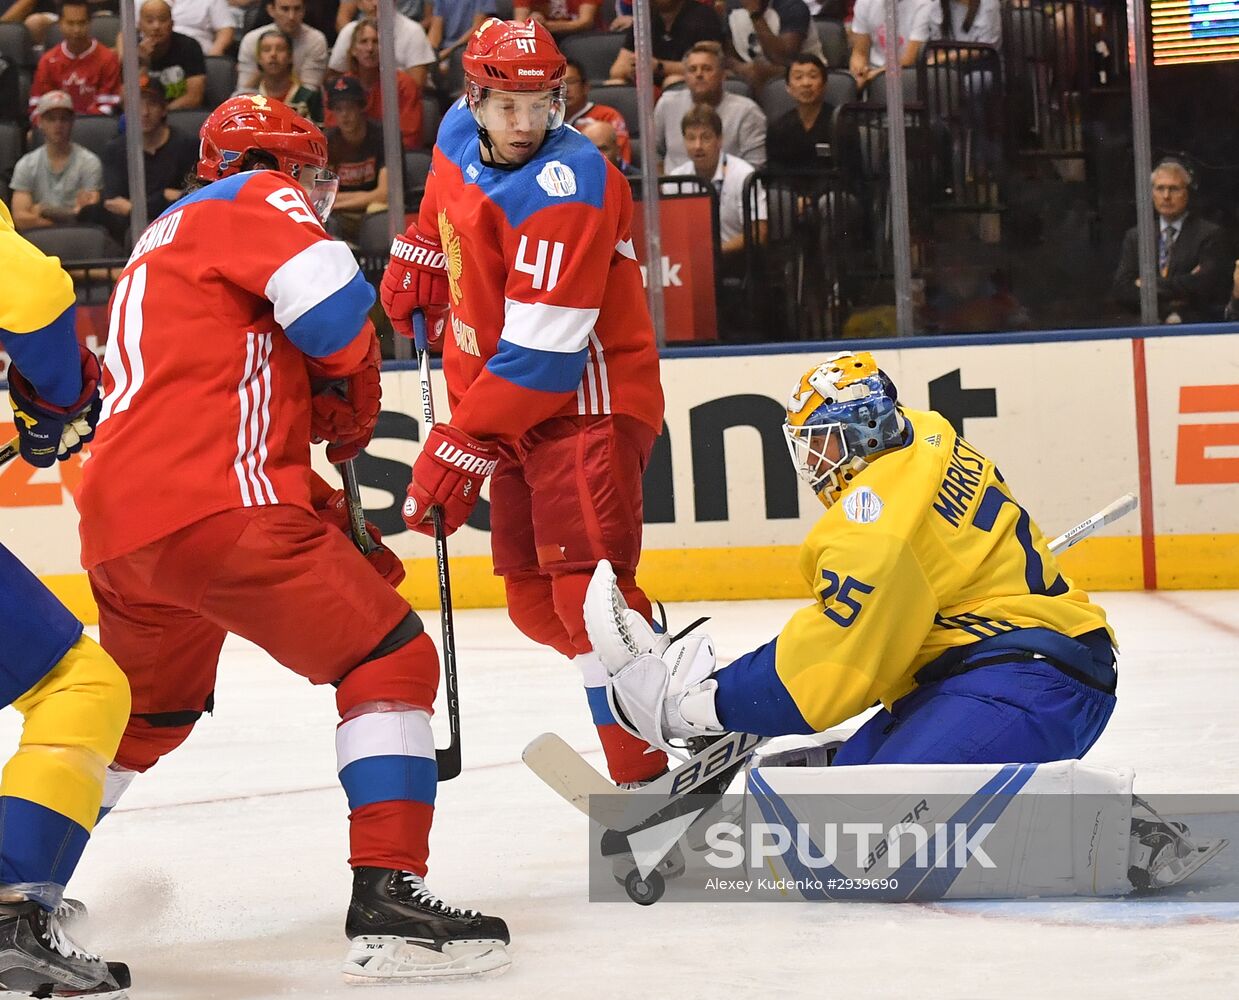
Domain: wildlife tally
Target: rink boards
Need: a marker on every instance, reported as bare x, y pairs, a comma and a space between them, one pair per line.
1071, 419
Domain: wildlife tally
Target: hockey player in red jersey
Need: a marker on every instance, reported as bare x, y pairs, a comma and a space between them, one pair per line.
523, 252
233, 309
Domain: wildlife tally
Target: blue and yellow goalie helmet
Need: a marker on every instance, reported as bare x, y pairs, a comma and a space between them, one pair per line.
842, 413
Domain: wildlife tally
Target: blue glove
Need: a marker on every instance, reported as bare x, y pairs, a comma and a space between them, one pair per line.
48, 432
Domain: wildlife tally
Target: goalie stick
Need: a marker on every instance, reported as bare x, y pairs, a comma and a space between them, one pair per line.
574, 779
10, 451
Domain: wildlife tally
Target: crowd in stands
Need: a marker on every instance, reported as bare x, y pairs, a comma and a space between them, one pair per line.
754, 96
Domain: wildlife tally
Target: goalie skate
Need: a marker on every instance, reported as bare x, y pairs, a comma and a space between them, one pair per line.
400, 931
39, 959
1163, 853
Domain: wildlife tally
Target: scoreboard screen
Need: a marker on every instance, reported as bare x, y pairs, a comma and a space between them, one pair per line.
1191, 32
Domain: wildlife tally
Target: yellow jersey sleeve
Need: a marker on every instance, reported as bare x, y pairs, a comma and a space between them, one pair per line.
34, 289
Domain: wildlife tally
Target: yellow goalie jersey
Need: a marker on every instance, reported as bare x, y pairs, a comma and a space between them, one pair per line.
925, 561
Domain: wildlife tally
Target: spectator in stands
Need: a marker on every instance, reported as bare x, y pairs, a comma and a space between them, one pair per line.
175, 60
915, 21
744, 123
461, 18
1193, 256
561, 17
413, 52
355, 153
794, 138
207, 22
579, 106
765, 35
277, 79
978, 21
678, 26
1231, 313
702, 132
83, 68
309, 46
363, 68
59, 182
603, 135
37, 15
421, 11
168, 154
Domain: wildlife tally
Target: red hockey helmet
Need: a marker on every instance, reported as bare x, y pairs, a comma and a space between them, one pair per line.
262, 125
515, 56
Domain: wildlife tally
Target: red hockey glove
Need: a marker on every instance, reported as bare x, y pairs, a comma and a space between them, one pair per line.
416, 278
449, 474
344, 410
384, 560
48, 433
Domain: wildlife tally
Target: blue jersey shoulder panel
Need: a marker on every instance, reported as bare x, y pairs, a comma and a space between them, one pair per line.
223, 190
568, 168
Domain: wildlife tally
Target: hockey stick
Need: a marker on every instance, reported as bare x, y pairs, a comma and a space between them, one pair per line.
10, 450
449, 757
1121, 507
571, 777
356, 513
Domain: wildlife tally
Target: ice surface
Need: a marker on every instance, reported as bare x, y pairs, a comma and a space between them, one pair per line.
223, 872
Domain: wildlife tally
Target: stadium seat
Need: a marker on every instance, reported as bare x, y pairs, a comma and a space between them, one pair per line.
188, 120
623, 98
834, 39
221, 80
374, 239
16, 47
774, 99
737, 86
416, 169
71, 243
431, 116
596, 51
105, 27
10, 149
840, 88
875, 93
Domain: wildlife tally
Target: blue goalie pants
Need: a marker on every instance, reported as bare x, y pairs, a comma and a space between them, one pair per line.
1021, 711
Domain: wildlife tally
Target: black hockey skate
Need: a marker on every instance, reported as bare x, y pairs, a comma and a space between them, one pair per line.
39, 959
400, 931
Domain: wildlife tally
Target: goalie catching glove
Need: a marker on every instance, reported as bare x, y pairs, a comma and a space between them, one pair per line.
416, 278
344, 410
49, 433
658, 692
448, 474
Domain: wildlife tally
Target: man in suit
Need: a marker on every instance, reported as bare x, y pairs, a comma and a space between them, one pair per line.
1193, 256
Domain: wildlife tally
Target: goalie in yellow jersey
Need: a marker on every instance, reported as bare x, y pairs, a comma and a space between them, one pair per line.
73, 696
934, 594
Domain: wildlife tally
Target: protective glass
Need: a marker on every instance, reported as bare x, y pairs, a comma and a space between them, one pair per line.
320, 185
501, 111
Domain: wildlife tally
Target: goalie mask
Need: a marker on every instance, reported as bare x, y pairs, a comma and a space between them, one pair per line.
520, 62
842, 413
255, 132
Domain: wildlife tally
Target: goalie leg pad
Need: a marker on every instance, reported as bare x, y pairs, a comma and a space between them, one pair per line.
1056, 829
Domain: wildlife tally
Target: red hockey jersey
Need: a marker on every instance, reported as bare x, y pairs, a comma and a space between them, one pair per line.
226, 301
91, 79
548, 313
